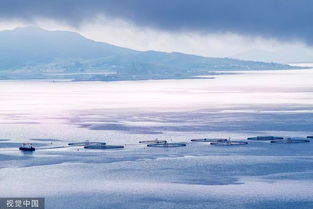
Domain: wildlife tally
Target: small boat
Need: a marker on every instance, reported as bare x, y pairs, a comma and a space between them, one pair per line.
85, 143
290, 141
209, 140
265, 138
228, 143
27, 147
166, 144
156, 141
103, 146
309, 137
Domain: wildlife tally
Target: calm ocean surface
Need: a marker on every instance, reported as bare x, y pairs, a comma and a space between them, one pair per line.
259, 175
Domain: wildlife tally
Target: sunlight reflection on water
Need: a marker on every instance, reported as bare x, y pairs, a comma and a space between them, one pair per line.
196, 176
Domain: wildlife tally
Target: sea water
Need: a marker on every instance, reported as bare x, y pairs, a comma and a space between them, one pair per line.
51, 114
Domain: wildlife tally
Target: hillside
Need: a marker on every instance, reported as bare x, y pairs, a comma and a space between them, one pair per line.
34, 53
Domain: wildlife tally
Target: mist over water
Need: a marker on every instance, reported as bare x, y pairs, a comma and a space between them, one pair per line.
259, 175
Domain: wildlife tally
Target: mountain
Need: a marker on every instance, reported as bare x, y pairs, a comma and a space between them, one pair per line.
33, 53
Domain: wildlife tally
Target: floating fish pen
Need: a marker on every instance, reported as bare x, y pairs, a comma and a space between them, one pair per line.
209, 140
103, 146
290, 141
28, 147
166, 144
156, 141
85, 143
265, 138
229, 143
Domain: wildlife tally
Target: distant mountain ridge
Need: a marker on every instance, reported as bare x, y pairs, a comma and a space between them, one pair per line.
30, 53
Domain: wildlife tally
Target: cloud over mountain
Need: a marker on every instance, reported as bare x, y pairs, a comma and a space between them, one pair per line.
281, 19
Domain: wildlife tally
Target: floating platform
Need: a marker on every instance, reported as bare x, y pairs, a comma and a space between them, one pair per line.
209, 140
290, 141
265, 138
156, 141
27, 147
85, 143
229, 143
179, 144
103, 146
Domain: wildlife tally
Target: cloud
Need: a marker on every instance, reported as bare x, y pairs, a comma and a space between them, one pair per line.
125, 34
280, 19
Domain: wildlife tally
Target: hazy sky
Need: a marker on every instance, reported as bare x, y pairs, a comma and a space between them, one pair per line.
271, 30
